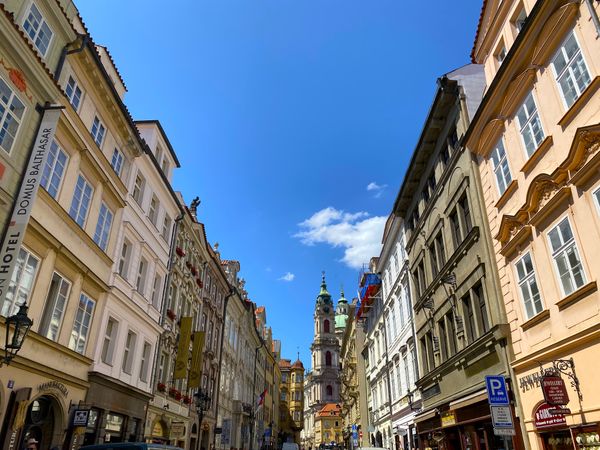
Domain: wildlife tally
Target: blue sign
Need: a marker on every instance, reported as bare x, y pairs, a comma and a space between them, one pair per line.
496, 390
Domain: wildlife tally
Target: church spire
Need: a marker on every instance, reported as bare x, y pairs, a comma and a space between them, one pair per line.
324, 296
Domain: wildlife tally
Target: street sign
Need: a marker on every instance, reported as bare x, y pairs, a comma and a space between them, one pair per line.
80, 417
502, 416
505, 432
496, 390
554, 389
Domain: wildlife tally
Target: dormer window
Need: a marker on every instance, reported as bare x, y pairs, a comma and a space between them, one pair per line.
37, 29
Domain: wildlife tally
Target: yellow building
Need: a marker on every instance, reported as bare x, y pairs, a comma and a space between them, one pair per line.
328, 425
292, 400
536, 136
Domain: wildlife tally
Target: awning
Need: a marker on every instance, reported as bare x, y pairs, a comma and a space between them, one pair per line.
425, 415
469, 399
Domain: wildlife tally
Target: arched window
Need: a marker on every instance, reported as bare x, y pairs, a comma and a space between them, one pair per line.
326, 326
328, 359
329, 391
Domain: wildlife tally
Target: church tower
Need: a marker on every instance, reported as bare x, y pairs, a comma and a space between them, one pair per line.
341, 317
325, 351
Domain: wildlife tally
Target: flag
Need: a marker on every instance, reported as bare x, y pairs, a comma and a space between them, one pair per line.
196, 365
183, 349
261, 398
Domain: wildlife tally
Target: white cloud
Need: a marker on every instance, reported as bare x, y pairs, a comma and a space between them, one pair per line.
359, 234
288, 277
376, 188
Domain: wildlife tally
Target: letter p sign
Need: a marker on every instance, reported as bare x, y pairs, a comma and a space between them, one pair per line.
496, 390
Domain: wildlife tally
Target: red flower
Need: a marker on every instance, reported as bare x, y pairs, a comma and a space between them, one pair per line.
173, 392
187, 399
162, 387
171, 314
179, 251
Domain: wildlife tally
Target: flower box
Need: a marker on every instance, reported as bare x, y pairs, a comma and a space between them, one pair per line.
173, 392
187, 399
179, 251
161, 387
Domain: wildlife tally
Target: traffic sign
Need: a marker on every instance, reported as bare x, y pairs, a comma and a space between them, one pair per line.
505, 432
496, 390
502, 416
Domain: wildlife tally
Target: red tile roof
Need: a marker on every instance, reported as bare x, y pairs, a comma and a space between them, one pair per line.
478, 30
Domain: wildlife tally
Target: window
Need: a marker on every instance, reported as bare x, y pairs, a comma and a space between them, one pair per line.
528, 286
73, 92
98, 131
455, 228
54, 169
103, 226
145, 362
443, 339
81, 201
470, 328
138, 189
430, 358
479, 299
530, 124
465, 213
116, 161
328, 358
500, 54
81, 324
419, 275
128, 352
520, 19
21, 283
451, 333
500, 166
165, 166
438, 254
326, 326
329, 391
141, 277
11, 113
124, 258
156, 291
109, 343
566, 257
166, 228
55, 307
570, 70
37, 29
153, 212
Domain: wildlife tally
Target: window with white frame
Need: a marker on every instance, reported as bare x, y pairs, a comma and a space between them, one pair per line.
500, 167
116, 161
141, 276
156, 290
153, 211
110, 341
128, 352
166, 228
81, 324
570, 69
124, 258
54, 169
138, 189
37, 29
530, 125
530, 292
73, 92
11, 113
145, 362
566, 257
80, 204
98, 131
102, 233
20, 284
54, 308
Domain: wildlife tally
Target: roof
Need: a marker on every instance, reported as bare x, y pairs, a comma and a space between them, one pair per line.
479, 23
164, 135
298, 365
285, 363
330, 409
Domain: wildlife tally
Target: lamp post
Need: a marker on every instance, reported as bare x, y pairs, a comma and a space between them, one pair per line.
202, 403
19, 325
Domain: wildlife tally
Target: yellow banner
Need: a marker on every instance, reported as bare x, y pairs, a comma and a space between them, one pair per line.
183, 350
196, 366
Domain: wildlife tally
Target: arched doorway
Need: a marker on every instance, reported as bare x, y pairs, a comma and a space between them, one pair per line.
43, 422
379, 439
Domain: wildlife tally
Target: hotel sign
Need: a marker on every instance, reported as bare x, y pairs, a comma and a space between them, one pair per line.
15, 232
554, 389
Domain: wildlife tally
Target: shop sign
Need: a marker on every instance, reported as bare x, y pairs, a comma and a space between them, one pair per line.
448, 419
543, 418
54, 386
177, 429
554, 389
158, 430
80, 417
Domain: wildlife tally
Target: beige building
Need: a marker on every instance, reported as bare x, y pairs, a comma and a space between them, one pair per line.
328, 425
536, 137
461, 329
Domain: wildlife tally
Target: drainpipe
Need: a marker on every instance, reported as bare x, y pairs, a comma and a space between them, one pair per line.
594, 15
231, 292
63, 55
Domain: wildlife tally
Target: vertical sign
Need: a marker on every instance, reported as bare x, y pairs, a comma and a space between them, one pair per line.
15, 232
183, 350
196, 366
499, 405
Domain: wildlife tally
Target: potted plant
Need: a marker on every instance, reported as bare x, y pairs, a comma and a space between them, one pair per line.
161, 387
179, 251
178, 396
187, 399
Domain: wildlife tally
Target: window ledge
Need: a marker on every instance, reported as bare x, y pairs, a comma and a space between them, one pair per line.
579, 294
537, 155
535, 320
580, 102
510, 189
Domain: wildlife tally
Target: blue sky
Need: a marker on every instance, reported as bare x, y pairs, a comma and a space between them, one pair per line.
293, 120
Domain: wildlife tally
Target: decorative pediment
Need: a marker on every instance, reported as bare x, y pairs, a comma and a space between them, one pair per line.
553, 29
516, 90
489, 135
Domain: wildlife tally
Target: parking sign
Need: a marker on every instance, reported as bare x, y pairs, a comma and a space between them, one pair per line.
496, 390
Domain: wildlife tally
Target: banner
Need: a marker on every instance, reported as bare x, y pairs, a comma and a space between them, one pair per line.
183, 350
196, 366
15, 231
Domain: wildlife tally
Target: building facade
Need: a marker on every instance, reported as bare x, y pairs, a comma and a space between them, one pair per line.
291, 408
536, 137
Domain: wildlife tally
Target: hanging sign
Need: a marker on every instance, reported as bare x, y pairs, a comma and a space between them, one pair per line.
554, 389
543, 417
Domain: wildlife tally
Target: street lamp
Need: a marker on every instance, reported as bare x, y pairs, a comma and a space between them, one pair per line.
202, 403
409, 397
19, 324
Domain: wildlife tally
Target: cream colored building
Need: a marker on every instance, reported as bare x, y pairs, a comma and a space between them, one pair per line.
536, 136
